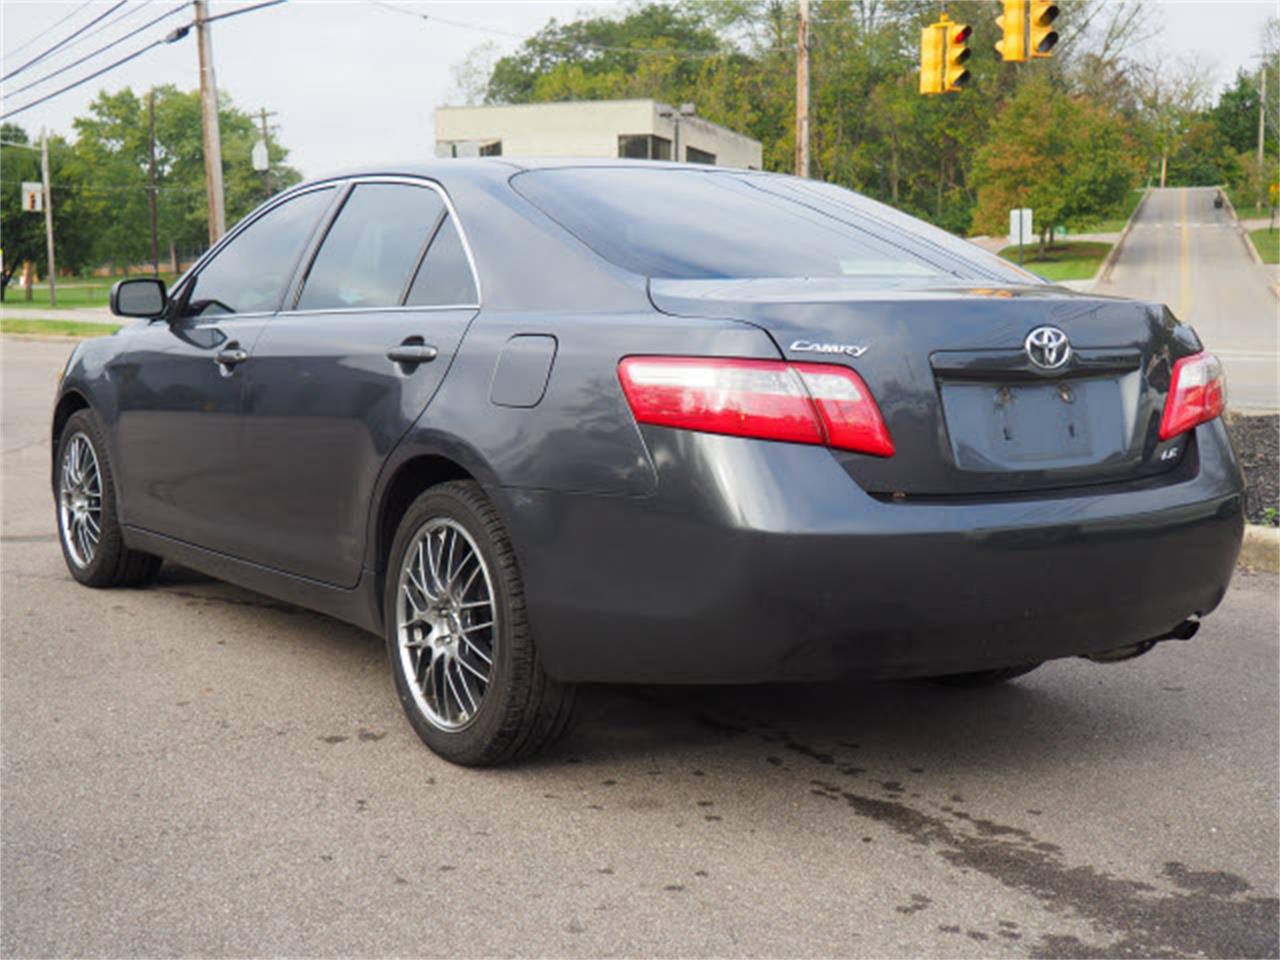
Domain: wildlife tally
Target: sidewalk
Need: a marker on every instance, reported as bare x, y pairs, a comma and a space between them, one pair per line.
10, 311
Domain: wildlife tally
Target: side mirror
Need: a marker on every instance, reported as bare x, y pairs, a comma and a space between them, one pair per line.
139, 297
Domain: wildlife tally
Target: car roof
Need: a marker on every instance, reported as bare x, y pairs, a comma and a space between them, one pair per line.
481, 169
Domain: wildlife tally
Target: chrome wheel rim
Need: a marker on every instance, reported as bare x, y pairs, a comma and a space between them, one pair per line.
80, 500
446, 624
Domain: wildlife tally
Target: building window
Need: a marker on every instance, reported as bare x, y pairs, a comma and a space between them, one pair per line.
495, 149
643, 146
694, 155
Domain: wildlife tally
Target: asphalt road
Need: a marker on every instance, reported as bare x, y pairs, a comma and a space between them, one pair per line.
194, 769
1187, 254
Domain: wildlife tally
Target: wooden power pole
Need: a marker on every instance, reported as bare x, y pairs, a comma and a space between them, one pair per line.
1262, 112
802, 91
151, 181
209, 112
266, 145
48, 219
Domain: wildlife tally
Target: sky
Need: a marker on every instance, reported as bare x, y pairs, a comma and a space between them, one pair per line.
351, 82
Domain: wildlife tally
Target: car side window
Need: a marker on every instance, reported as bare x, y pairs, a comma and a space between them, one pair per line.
445, 277
370, 251
249, 274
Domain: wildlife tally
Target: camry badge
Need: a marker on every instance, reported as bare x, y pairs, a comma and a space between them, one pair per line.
1047, 347
808, 346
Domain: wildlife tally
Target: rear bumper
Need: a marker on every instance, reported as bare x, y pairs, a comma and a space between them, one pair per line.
758, 561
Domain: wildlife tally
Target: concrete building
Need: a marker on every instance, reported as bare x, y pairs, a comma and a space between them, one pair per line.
641, 129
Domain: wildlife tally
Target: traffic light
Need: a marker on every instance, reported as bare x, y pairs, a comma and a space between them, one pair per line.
944, 47
933, 41
1041, 36
1012, 22
957, 52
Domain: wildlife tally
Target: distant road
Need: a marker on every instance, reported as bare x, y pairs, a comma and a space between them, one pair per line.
1186, 253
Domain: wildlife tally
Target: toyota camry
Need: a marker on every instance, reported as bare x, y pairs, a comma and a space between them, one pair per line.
545, 423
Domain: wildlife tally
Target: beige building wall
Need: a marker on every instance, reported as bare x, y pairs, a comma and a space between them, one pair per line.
582, 129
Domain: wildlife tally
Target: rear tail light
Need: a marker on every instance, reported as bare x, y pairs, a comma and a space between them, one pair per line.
813, 403
1197, 394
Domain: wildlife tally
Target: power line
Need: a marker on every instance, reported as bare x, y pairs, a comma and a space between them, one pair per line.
134, 8
240, 10
172, 37
65, 40
46, 31
584, 45
105, 47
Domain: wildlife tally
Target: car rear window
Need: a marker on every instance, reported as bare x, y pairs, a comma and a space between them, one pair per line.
696, 225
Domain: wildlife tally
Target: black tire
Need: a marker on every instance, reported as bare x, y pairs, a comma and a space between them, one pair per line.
522, 710
983, 678
111, 564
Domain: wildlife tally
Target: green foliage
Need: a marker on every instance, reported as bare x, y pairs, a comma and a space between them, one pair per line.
112, 151
1076, 260
56, 328
870, 129
1068, 159
1267, 243
100, 182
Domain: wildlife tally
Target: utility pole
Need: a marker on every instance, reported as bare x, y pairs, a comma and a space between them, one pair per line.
1262, 111
802, 91
151, 180
209, 112
48, 218
266, 146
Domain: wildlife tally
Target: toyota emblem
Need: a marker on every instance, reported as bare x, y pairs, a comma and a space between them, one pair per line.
1048, 347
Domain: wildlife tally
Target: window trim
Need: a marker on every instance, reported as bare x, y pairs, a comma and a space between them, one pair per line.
187, 282
313, 250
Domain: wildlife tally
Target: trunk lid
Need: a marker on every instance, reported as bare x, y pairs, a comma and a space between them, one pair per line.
968, 409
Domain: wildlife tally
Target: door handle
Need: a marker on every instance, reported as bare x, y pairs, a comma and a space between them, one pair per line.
413, 353
232, 355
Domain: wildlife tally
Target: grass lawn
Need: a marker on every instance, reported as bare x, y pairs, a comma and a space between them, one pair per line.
72, 292
57, 328
1268, 244
1115, 224
1069, 260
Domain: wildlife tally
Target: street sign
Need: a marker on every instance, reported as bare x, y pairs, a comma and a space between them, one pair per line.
1020, 228
259, 156
32, 196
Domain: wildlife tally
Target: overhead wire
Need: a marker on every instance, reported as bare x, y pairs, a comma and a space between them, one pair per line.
172, 37
103, 49
65, 40
45, 32
584, 44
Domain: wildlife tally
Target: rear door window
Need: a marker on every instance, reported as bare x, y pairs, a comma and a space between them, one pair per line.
371, 250
250, 273
445, 278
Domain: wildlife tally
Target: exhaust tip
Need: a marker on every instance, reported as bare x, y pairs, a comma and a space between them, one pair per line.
1183, 631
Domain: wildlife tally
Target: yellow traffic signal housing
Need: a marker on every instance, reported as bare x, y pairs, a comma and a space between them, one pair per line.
944, 47
1041, 37
933, 42
957, 74
1012, 22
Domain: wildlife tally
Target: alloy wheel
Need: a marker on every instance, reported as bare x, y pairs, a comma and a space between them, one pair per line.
80, 500
446, 623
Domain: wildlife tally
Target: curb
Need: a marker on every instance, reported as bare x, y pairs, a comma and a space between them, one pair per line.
1104, 272
1244, 234
1261, 548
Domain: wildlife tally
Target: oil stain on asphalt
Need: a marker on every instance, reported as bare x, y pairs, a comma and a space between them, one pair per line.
1211, 913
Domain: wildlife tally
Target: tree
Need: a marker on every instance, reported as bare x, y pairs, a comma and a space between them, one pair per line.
24, 233
1069, 160
1172, 95
111, 152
